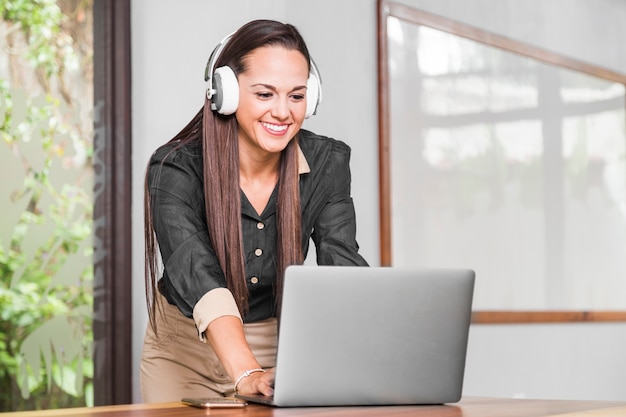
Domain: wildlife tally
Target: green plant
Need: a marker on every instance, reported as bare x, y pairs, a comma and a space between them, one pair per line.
46, 271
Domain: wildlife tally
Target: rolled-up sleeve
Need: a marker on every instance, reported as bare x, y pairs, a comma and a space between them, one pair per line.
216, 303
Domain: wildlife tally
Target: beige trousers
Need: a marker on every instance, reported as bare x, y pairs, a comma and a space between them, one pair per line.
176, 364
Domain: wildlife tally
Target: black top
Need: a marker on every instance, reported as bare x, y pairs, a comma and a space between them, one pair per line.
191, 268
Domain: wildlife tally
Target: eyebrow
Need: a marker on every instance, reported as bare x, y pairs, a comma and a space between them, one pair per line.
273, 88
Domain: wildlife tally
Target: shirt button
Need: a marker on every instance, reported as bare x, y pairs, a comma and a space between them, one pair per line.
258, 252
260, 226
254, 280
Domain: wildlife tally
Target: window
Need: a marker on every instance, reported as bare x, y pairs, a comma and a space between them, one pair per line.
507, 159
64, 254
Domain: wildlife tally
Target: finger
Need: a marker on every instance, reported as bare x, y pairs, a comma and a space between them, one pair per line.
265, 389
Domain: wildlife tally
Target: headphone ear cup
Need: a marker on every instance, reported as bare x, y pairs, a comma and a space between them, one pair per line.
226, 97
312, 95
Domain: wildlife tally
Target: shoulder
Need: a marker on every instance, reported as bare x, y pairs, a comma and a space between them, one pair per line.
319, 149
175, 152
175, 162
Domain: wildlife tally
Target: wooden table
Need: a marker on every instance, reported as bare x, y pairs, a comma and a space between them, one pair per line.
468, 407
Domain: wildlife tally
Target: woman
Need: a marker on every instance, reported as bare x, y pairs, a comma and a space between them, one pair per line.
231, 201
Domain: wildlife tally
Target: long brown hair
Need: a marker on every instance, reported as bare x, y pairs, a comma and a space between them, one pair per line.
220, 149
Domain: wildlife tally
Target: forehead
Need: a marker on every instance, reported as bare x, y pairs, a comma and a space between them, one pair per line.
275, 62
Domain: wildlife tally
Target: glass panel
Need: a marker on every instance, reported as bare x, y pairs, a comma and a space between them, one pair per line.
510, 166
46, 255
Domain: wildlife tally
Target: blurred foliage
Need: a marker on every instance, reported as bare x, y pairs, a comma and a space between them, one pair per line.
46, 266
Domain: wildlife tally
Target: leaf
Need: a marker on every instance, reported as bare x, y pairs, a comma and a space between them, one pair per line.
70, 272
58, 341
89, 394
67, 379
37, 236
19, 271
23, 381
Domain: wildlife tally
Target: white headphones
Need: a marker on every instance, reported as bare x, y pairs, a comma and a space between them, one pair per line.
223, 88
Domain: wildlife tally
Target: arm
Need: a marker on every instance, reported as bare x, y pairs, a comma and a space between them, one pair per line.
335, 225
193, 279
226, 336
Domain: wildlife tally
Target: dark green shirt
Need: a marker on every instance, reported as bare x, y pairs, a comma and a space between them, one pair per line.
191, 268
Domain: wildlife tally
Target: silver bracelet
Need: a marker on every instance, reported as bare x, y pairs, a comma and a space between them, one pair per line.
245, 375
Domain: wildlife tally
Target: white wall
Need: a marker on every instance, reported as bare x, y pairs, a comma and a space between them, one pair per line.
171, 41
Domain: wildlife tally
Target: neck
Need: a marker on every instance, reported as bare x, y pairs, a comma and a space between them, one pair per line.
258, 169
257, 178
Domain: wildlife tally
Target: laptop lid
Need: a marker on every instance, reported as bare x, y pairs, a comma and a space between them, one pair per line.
372, 336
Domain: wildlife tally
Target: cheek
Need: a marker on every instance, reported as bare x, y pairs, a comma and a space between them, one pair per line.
248, 110
299, 111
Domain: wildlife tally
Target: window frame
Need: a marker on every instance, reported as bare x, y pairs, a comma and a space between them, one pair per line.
387, 8
112, 321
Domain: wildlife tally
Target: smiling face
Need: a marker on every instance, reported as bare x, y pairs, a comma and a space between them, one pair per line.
272, 99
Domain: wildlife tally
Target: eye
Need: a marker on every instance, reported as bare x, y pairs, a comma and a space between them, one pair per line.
265, 95
298, 97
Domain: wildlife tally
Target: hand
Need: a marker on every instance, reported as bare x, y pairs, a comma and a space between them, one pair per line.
258, 383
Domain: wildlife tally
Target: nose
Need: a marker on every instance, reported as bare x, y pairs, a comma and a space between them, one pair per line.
280, 109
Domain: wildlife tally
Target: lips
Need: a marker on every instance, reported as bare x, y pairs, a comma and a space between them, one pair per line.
275, 129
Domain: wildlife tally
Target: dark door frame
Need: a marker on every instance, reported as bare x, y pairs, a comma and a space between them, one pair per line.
112, 321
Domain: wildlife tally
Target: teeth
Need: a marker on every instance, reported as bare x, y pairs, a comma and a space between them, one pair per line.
275, 128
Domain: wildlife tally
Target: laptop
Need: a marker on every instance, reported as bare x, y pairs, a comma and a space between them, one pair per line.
354, 336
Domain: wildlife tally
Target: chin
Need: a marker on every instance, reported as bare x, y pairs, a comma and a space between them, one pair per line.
276, 144
276, 148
